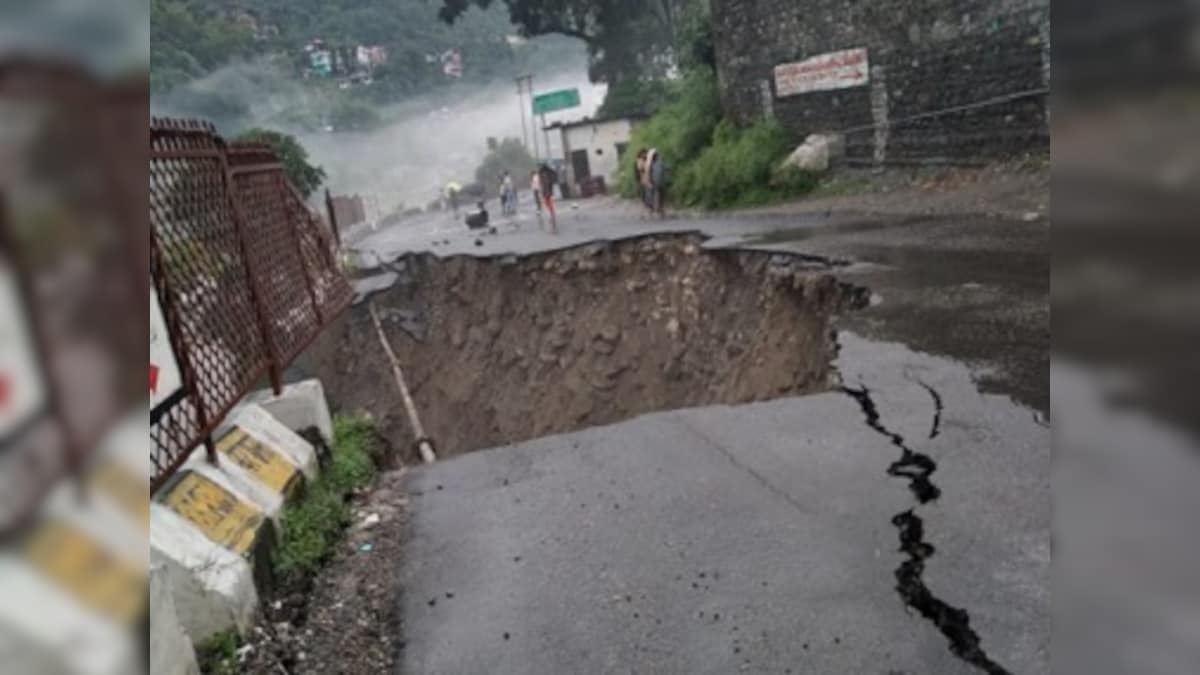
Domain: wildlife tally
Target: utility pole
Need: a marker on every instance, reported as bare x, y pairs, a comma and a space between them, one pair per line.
537, 153
521, 105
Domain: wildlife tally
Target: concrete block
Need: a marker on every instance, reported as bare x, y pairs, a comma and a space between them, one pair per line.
74, 583
269, 431
171, 652
212, 526
204, 546
45, 630
72, 598
259, 460
299, 406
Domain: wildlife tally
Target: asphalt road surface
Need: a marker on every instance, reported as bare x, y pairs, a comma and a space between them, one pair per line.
901, 525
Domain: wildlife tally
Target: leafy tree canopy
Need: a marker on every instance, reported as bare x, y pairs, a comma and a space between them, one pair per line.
626, 38
508, 155
191, 38
306, 177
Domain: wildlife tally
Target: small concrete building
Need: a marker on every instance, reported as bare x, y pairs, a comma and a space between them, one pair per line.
593, 148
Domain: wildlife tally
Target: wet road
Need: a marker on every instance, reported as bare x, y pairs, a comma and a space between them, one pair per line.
900, 526
971, 287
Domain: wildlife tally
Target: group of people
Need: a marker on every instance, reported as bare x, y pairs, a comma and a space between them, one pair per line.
651, 174
541, 185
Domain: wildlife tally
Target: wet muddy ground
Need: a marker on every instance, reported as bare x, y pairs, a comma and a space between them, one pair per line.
501, 350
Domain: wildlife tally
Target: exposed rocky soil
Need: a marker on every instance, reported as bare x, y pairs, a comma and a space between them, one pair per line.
502, 350
346, 620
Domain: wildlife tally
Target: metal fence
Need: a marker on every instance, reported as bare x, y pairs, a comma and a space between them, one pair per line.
73, 258
246, 275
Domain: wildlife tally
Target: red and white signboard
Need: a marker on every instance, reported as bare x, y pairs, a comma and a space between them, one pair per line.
835, 70
22, 389
165, 378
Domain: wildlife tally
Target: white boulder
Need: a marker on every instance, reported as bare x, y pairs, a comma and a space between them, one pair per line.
815, 153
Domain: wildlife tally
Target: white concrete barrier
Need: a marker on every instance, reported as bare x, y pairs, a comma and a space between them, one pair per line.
73, 593
211, 584
212, 526
171, 652
298, 406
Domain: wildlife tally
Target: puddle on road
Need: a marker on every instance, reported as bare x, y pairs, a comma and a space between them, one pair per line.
794, 234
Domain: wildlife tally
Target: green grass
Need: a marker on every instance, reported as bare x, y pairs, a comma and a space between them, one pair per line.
218, 654
313, 525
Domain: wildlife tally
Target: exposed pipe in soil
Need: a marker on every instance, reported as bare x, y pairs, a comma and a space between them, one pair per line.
424, 446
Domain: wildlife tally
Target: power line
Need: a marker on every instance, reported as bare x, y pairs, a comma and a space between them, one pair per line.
996, 100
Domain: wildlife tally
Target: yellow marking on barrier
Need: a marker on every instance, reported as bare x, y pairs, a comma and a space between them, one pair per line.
217, 512
132, 494
94, 576
264, 462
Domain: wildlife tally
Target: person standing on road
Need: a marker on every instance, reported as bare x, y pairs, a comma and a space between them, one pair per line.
639, 172
507, 195
535, 188
658, 178
546, 180
648, 188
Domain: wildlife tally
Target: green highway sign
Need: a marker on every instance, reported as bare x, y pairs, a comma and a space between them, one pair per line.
555, 100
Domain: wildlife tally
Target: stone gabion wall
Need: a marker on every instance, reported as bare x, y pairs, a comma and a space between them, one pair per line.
952, 80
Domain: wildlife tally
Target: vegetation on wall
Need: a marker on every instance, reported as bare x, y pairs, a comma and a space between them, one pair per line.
713, 163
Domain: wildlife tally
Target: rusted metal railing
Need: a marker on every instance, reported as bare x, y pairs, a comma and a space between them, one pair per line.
246, 275
73, 256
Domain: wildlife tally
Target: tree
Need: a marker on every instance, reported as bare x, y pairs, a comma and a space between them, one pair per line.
635, 97
306, 177
508, 155
625, 38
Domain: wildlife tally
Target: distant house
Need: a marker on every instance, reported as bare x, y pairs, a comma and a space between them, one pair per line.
593, 148
371, 56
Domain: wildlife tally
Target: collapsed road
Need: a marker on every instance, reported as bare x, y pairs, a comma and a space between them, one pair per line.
716, 481
507, 349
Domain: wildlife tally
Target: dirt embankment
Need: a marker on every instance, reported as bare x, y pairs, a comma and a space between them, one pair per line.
502, 350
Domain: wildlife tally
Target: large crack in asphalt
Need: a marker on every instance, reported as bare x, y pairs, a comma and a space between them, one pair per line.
953, 622
935, 427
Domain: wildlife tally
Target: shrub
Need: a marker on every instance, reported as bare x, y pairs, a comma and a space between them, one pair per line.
715, 164
312, 525
739, 168
679, 130
218, 654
